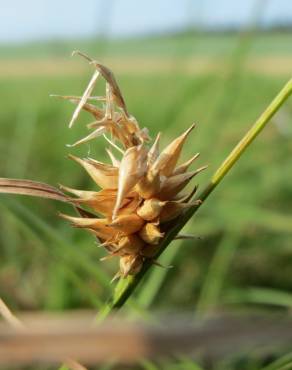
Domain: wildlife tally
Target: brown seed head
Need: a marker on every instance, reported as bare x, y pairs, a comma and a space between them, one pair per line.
140, 190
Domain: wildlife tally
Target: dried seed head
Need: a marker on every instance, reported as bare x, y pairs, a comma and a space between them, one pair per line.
140, 191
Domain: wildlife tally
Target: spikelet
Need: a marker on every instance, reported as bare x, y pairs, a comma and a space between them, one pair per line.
140, 192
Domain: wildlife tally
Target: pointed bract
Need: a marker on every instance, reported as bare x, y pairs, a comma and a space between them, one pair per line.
173, 209
153, 152
184, 167
129, 244
127, 224
168, 158
149, 185
103, 175
133, 167
174, 184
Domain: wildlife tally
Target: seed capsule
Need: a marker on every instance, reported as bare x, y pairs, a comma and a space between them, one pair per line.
150, 209
149, 185
127, 224
173, 209
129, 244
150, 233
130, 265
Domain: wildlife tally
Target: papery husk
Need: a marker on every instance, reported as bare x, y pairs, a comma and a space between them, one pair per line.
113, 85
150, 209
184, 166
173, 209
153, 152
129, 205
92, 223
115, 161
130, 265
175, 184
101, 202
151, 233
129, 244
127, 224
93, 135
149, 185
98, 227
90, 108
103, 175
85, 97
168, 158
132, 169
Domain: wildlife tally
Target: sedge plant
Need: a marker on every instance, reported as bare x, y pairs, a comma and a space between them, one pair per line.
141, 205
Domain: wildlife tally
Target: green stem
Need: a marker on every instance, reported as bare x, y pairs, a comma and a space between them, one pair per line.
125, 287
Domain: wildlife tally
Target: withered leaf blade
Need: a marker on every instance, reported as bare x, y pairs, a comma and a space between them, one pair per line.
31, 188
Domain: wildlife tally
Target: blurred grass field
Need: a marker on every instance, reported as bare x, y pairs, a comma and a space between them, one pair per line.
242, 258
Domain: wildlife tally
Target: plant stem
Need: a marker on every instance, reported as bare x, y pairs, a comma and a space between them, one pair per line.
125, 287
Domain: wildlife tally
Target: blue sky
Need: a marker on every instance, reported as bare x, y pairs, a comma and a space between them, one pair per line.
24, 20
